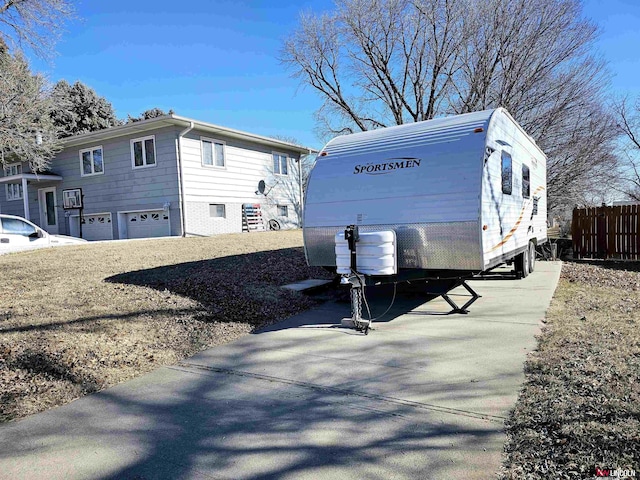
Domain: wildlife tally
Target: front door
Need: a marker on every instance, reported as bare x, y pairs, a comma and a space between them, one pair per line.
48, 211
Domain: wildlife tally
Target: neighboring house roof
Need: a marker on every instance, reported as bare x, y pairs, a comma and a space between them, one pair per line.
36, 177
175, 120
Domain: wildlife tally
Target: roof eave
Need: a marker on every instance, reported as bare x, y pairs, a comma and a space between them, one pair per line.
175, 120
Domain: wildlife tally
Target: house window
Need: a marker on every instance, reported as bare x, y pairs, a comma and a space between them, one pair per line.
143, 152
213, 152
91, 161
13, 190
283, 210
526, 182
280, 164
12, 169
507, 176
217, 211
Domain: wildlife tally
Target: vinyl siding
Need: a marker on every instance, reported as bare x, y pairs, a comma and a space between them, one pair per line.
121, 187
234, 184
16, 207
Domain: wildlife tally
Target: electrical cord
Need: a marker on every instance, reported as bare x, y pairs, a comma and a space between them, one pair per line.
364, 296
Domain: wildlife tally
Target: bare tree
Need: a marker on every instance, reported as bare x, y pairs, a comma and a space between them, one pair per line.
36, 24
385, 62
627, 114
27, 132
305, 162
291, 187
377, 62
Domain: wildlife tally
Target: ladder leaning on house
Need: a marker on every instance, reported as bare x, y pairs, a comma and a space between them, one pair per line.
252, 218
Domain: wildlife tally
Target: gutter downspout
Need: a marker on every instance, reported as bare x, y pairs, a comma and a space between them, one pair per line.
301, 220
181, 203
25, 199
300, 187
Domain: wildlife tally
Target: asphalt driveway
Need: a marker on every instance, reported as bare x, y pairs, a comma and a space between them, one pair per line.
425, 395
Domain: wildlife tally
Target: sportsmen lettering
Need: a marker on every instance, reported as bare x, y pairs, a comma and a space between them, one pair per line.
386, 167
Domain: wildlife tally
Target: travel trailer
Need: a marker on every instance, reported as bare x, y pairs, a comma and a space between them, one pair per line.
460, 195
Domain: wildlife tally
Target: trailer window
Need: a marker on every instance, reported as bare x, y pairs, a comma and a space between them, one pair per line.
507, 175
526, 182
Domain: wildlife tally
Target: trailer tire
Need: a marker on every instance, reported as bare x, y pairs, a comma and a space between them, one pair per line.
532, 257
522, 264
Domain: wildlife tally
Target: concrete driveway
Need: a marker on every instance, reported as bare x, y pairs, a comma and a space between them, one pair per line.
423, 396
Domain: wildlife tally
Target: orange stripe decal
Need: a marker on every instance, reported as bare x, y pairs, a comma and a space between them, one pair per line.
506, 238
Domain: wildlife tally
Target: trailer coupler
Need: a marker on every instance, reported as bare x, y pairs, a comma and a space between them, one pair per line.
356, 321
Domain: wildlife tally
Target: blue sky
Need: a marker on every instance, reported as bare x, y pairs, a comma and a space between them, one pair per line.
216, 61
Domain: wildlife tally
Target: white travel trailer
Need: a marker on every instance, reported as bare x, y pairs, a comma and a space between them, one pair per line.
463, 194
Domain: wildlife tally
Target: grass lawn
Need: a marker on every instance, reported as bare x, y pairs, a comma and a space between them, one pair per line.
580, 405
75, 320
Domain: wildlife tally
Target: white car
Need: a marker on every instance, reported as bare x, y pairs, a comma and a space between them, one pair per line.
17, 234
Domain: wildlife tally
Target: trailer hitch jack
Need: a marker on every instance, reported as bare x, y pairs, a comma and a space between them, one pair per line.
356, 321
357, 282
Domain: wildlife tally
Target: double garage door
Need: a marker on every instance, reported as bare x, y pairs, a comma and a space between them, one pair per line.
148, 224
99, 226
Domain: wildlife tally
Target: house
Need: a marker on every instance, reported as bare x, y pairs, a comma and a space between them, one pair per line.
164, 176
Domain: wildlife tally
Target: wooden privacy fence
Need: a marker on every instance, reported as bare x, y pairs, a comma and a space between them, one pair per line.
606, 232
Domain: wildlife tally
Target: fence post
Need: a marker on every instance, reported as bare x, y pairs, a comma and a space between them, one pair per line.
575, 232
601, 227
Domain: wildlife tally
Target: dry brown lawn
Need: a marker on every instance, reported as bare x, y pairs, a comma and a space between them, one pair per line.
75, 320
580, 405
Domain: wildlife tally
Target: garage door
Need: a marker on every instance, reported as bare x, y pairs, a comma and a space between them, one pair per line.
97, 227
148, 224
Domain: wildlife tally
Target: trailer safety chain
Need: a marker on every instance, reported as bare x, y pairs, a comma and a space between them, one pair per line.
358, 297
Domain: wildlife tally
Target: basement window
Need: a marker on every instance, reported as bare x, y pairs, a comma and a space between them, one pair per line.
507, 174
217, 210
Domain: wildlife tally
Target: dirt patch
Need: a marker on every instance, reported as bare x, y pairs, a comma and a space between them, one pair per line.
76, 320
580, 405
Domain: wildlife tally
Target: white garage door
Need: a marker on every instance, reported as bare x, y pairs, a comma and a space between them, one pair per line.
97, 227
148, 224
